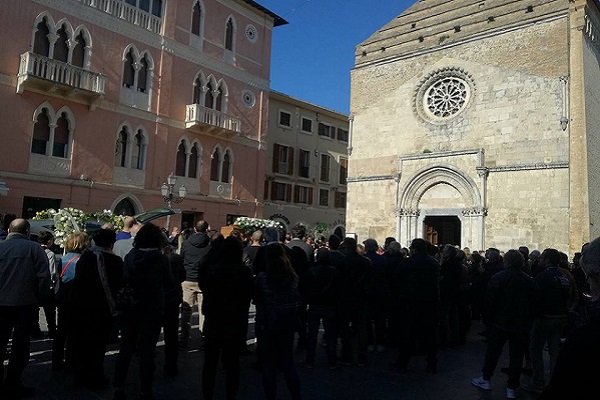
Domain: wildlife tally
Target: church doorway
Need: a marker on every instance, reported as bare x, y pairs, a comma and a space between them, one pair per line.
440, 230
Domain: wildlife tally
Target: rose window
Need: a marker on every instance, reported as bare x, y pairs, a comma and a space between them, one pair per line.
446, 97
443, 95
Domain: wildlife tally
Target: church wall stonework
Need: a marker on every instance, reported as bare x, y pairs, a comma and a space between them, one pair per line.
591, 57
513, 115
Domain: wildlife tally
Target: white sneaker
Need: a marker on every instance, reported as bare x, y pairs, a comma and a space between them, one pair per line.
482, 383
511, 393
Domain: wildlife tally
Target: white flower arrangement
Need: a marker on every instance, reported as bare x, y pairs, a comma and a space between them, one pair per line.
249, 225
68, 220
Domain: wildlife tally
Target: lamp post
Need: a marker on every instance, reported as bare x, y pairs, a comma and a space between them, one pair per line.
168, 195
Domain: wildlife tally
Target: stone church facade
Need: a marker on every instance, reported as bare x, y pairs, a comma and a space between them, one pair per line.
476, 123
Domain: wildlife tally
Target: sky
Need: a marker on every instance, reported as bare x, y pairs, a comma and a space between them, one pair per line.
313, 54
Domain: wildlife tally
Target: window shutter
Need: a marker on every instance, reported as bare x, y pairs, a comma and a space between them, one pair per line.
310, 196
291, 151
275, 157
288, 192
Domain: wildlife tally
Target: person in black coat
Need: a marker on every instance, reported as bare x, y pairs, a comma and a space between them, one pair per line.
507, 314
322, 295
228, 287
173, 299
356, 277
145, 274
93, 290
417, 290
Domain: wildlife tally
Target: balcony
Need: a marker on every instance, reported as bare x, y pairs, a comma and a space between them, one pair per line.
41, 73
211, 121
128, 13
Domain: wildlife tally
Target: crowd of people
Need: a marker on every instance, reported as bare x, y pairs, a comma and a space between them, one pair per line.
128, 286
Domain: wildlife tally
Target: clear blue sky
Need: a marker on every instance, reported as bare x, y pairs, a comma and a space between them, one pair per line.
313, 54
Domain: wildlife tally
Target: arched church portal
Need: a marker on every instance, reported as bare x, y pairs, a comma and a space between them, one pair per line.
441, 204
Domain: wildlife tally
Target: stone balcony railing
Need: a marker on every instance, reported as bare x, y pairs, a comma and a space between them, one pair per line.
212, 121
39, 72
127, 12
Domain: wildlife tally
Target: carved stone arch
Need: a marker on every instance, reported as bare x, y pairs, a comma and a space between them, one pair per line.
433, 175
218, 148
235, 29
213, 81
200, 148
70, 116
136, 53
222, 85
202, 14
121, 126
186, 143
86, 35
40, 17
144, 133
149, 58
130, 197
68, 28
49, 23
231, 156
51, 112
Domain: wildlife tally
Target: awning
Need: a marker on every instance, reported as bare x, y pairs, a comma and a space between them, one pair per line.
3, 189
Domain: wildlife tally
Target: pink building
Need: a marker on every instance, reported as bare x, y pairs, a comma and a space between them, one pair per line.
104, 99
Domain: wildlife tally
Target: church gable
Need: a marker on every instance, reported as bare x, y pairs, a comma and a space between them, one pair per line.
434, 24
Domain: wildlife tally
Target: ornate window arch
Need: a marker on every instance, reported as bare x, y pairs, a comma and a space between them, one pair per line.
139, 148
230, 32
42, 28
223, 97
215, 164
227, 166
82, 51
194, 159
199, 87
198, 15
52, 131
138, 72
123, 146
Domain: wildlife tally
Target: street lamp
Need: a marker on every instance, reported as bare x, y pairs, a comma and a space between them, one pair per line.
168, 195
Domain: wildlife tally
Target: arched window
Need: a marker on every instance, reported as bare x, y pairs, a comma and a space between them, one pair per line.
61, 46
229, 35
197, 90
121, 148
61, 137
181, 160
208, 96
128, 70
139, 150
41, 133
215, 164
196, 19
78, 57
194, 157
41, 43
143, 75
225, 169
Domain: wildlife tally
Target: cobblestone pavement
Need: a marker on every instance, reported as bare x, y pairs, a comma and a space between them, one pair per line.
375, 381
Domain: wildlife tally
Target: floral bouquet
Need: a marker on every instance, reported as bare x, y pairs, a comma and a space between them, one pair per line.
249, 225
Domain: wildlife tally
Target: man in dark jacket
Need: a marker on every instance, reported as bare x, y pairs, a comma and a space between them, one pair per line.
508, 316
322, 295
356, 277
417, 291
24, 283
194, 251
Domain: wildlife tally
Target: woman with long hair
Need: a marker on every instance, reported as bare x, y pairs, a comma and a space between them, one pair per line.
277, 310
141, 308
